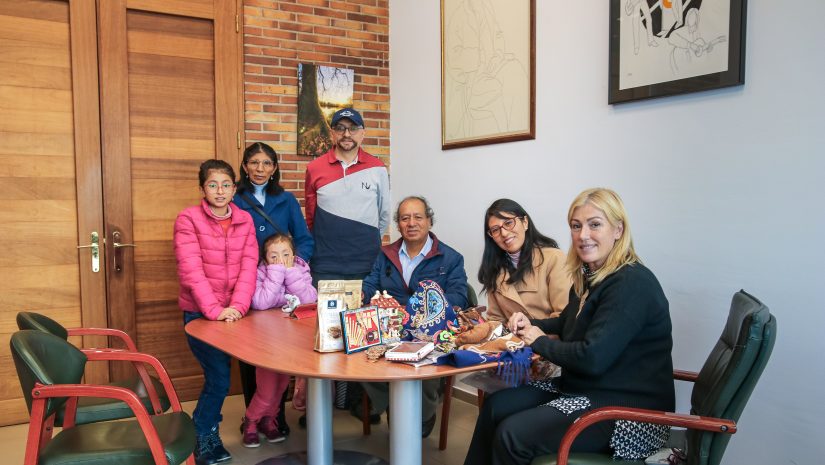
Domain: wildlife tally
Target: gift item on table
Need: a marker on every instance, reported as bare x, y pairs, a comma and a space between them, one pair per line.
431, 316
292, 301
334, 296
507, 343
410, 351
361, 328
464, 358
479, 333
391, 315
514, 367
328, 333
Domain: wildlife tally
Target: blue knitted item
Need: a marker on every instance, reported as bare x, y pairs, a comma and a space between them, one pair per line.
514, 367
463, 358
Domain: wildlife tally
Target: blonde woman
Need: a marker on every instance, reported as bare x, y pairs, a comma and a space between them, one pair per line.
612, 341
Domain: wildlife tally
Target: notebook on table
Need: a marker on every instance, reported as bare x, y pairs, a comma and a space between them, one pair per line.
409, 351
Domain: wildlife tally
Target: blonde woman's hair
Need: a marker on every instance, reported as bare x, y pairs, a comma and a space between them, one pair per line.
622, 253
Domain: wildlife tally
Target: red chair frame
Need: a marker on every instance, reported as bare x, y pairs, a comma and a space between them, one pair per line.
40, 428
130, 347
718, 425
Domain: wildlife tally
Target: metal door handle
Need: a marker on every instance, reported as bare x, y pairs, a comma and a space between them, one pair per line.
116, 244
95, 249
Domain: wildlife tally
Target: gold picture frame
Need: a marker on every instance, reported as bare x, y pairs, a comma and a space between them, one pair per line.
488, 72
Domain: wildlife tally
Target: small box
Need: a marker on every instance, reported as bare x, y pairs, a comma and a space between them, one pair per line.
409, 351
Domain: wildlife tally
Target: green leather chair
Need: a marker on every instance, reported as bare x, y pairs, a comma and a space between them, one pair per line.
720, 392
50, 372
89, 409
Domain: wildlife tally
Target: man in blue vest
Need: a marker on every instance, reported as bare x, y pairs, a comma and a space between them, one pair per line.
400, 266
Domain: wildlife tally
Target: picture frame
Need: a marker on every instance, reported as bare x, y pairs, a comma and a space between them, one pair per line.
488, 72
361, 328
691, 46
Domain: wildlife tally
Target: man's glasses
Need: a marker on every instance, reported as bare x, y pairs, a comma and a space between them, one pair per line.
508, 224
257, 163
213, 187
340, 129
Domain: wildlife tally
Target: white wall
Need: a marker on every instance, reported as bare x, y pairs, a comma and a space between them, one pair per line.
723, 187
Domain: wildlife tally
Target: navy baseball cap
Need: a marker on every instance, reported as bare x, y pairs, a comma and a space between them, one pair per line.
348, 113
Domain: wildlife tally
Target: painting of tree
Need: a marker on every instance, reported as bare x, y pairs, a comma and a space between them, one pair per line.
322, 90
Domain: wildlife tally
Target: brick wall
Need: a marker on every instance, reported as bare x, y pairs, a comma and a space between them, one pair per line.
279, 34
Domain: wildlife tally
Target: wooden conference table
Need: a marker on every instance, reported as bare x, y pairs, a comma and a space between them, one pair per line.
271, 340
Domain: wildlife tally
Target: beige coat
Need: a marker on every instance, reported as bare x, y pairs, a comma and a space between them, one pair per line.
543, 292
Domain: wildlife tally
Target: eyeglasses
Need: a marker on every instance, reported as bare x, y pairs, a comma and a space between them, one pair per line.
214, 187
340, 129
257, 163
508, 224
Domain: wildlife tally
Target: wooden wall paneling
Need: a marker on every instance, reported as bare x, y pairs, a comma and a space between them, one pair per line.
89, 182
229, 140
47, 135
117, 179
178, 95
171, 97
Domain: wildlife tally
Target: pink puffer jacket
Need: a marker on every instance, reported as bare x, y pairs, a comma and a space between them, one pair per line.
215, 270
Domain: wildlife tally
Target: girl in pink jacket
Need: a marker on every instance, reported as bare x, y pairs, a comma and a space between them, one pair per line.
280, 274
216, 253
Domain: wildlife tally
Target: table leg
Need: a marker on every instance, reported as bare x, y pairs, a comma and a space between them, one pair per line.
319, 421
405, 422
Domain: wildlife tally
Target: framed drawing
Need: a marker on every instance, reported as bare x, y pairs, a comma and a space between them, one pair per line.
669, 47
488, 72
361, 328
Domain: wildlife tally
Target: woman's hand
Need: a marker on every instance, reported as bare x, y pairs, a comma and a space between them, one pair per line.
530, 334
518, 322
229, 314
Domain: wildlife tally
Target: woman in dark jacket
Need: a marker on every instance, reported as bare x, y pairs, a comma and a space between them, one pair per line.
274, 211
260, 191
612, 341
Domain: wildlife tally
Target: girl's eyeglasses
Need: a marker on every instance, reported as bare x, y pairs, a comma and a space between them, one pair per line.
213, 187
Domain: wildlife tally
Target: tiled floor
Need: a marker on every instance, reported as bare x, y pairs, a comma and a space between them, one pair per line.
346, 431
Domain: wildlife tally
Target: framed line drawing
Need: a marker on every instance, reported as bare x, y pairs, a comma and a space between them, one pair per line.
670, 47
488, 72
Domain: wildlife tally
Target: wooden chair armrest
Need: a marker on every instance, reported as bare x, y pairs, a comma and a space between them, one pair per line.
41, 392
116, 333
718, 425
683, 375
141, 358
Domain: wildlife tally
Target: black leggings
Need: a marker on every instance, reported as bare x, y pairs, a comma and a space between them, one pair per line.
514, 426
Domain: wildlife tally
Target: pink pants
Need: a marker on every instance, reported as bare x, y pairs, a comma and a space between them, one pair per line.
267, 399
299, 397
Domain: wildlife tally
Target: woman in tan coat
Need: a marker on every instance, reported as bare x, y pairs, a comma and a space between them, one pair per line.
521, 270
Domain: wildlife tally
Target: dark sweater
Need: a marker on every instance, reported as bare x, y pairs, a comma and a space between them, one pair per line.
618, 350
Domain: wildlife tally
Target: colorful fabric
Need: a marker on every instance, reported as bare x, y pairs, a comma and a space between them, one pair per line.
514, 367
464, 358
431, 315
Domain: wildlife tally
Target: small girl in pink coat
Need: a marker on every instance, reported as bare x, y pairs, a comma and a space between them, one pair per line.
280, 274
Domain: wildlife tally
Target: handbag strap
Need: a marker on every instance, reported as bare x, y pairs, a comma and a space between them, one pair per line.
260, 211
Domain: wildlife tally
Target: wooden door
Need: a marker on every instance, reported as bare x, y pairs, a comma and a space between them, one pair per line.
51, 172
171, 97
